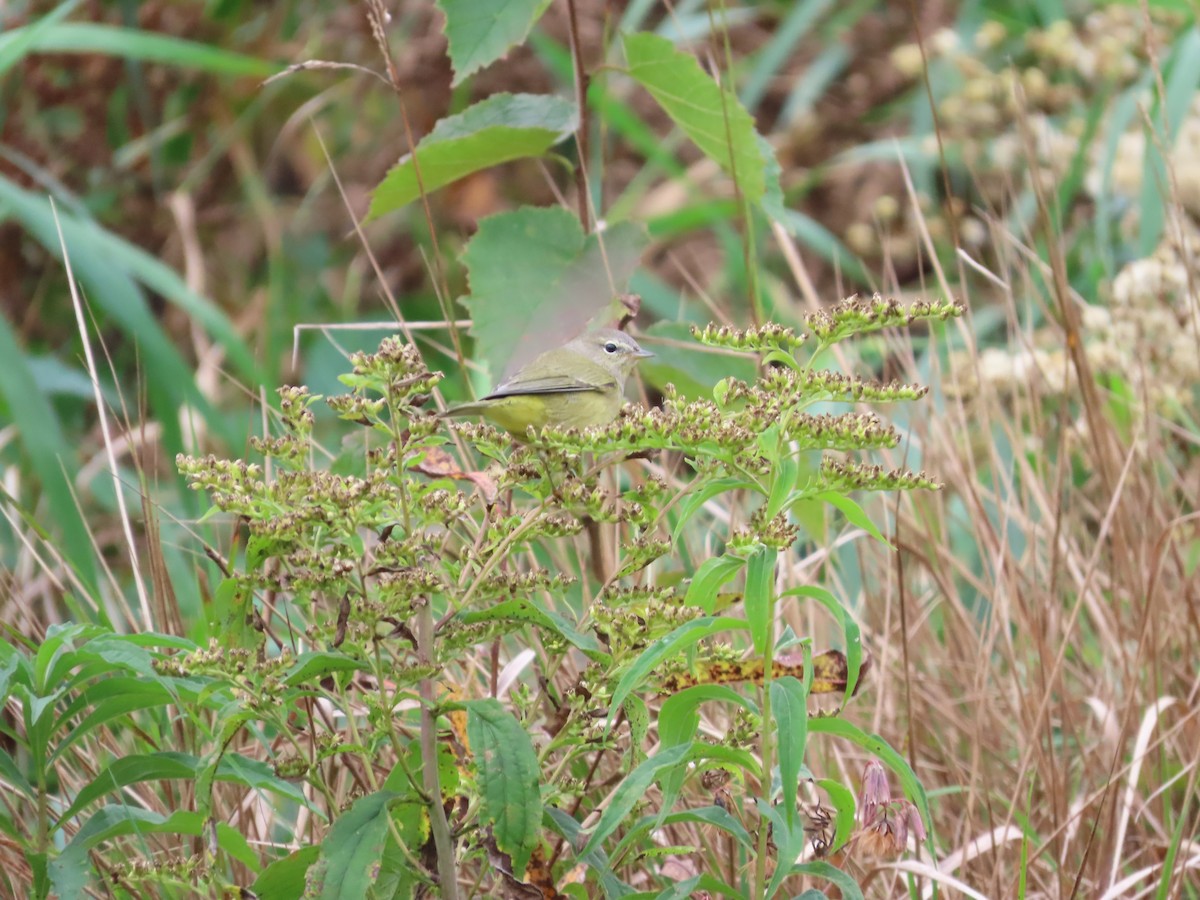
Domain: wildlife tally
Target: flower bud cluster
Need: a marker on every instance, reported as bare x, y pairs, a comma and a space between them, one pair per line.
629, 622
230, 476
639, 553
845, 475
855, 315
761, 339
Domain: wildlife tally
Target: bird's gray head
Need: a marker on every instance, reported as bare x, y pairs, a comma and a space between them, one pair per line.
614, 350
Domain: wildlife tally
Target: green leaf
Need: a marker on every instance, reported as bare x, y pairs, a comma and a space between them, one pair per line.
481, 31
70, 872
712, 574
19, 41
521, 610
633, 789
110, 699
683, 636
697, 499
788, 840
536, 280
130, 43
845, 805
351, 851
760, 588
710, 815
678, 719
821, 869
786, 472
507, 768
850, 629
597, 860
313, 665
713, 118
638, 717
132, 770
497, 130
285, 878
789, 707
854, 513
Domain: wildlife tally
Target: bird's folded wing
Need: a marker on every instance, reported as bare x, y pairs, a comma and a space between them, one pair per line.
555, 384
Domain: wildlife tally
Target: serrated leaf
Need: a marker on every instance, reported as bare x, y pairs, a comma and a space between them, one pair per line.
712, 117
481, 31
350, 853
507, 766
499, 129
537, 280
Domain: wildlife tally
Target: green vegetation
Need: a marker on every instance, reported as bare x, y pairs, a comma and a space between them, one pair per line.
271, 625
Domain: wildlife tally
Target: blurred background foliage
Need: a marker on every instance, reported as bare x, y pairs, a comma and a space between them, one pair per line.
1036, 160
210, 213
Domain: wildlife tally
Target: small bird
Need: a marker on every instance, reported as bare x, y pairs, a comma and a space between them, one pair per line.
579, 384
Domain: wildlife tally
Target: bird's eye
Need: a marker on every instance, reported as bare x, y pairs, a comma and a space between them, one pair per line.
610, 347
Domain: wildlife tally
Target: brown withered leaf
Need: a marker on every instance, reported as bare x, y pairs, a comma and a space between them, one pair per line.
631, 305
440, 464
830, 672
538, 883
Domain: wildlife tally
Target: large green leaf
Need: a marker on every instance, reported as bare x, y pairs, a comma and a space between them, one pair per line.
481, 31
508, 779
497, 130
711, 116
351, 851
760, 588
789, 707
536, 280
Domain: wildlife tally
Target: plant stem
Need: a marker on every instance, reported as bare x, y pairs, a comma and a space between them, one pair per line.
767, 746
442, 842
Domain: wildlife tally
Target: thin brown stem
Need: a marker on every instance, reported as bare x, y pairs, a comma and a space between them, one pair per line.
581, 135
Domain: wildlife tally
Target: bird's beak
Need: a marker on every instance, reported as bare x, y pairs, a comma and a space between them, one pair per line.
643, 354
